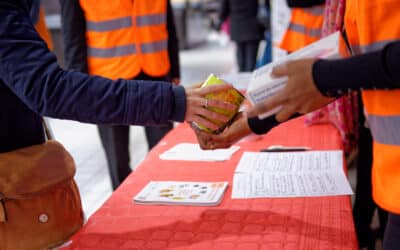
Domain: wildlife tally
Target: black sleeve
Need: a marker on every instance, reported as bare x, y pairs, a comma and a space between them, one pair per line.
74, 33
304, 4
375, 70
263, 126
173, 44
224, 10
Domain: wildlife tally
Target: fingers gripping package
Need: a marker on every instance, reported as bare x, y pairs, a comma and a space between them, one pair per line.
232, 96
262, 85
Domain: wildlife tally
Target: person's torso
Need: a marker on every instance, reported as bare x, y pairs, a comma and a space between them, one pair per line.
304, 28
244, 25
370, 25
19, 126
126, 37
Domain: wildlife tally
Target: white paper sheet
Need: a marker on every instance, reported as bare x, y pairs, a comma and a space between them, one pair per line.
239, 80
294, 174
193, 152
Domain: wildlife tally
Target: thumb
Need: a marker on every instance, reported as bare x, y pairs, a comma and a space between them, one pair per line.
280, 70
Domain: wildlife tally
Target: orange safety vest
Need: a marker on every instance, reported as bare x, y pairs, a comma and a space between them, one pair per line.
304, 28
370, 25
41, 28
125, 37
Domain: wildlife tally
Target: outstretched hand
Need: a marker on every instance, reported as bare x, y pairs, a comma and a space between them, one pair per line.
197, 105
300, 94
237, 130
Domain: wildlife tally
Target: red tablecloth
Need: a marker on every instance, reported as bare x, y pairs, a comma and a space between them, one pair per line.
245, 224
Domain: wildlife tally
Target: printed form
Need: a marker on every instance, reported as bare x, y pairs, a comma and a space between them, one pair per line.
290, 174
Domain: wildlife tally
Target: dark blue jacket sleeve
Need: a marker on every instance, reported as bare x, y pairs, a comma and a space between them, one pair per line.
31, 72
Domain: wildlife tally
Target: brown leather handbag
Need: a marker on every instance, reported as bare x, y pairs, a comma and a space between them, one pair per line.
40, 206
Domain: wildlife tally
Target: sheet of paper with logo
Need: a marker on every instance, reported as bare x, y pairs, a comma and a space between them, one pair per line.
290, 174
181, 193
262, 86
193, 152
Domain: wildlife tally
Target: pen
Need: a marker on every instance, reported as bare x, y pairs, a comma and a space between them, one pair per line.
278, 148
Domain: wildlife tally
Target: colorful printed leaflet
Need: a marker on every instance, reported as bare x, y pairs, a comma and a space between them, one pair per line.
181, 193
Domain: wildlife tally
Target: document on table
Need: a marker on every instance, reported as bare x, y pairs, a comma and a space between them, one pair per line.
294, 174
193, 152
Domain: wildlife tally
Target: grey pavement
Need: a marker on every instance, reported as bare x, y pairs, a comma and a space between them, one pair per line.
83, 142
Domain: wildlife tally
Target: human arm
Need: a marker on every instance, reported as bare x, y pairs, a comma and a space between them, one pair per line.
31, 72
375, 70
73, 25
173, 47
311, 83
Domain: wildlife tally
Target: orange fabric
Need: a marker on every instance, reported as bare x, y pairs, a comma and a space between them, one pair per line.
369, 26
128, 65
295, 39
41, 28
281, 223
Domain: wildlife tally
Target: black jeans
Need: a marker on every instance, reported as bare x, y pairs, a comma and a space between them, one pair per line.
364, 205
115, 141
246, 54
391, 240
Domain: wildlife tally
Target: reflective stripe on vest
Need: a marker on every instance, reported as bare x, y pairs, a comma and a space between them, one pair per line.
155, 19
125, 37
128, 49
112, 52
109, 25
125, 22
385, 129
359, 49
370, 25
304, 28
154, 46
315, 11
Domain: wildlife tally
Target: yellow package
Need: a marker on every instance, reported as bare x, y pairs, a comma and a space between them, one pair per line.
232, 96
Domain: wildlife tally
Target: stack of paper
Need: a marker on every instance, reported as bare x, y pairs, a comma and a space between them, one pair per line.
262, 85
182, 193
193, 152
296, 174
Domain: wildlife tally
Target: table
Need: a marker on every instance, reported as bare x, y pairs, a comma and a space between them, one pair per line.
262, 224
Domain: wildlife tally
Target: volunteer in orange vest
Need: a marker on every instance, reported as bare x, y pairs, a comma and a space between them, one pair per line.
305, 27
373, 29
122, 39
38, 19
305, 24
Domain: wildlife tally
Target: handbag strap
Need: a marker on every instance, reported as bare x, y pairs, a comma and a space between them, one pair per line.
47, 129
